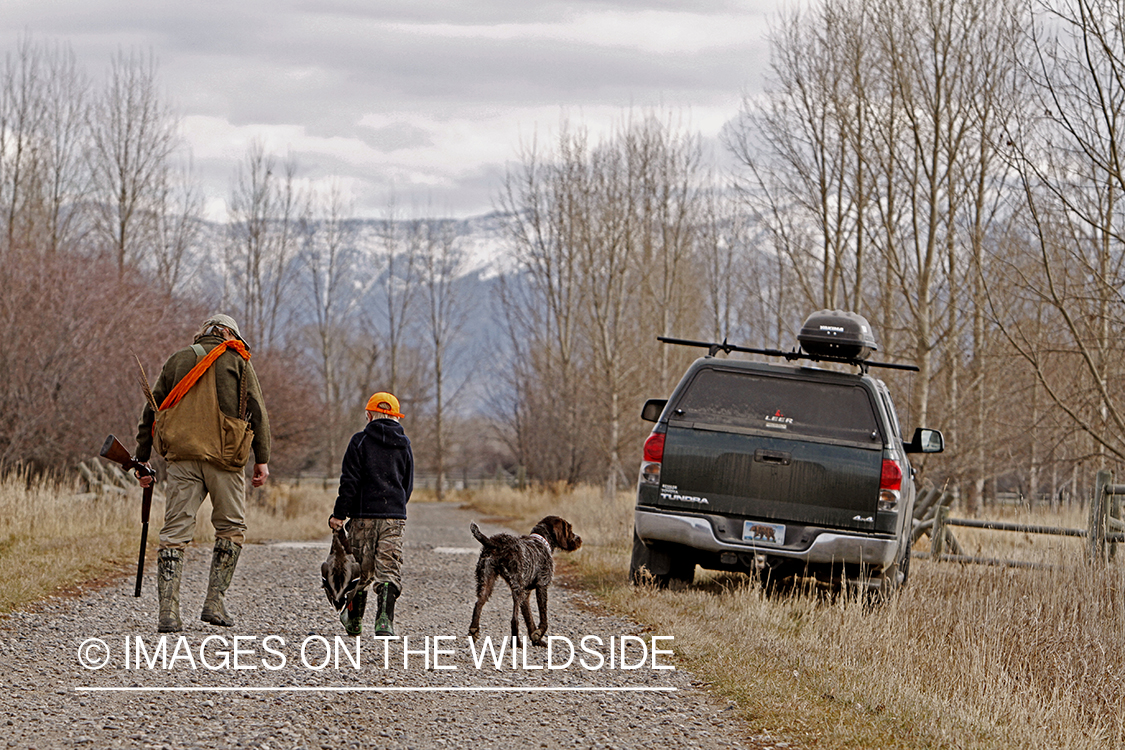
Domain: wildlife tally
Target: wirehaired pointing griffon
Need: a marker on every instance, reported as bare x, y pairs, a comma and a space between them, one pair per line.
526, 563
340, 572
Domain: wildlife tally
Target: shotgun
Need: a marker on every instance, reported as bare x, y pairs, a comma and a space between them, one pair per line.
113, 450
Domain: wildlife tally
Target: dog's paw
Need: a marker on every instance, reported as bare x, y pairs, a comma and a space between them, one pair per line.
537, 638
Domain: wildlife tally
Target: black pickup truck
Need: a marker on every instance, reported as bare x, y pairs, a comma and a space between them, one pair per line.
785, 470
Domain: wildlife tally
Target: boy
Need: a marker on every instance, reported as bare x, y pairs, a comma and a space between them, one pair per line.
375, 484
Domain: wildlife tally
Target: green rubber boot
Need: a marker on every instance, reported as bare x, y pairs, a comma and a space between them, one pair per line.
352, 615
223, 561
169, 571
387, 593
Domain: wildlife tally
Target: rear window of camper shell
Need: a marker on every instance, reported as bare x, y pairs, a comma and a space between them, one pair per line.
786, 406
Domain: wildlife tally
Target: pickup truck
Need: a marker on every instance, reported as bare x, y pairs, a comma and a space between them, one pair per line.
785, 471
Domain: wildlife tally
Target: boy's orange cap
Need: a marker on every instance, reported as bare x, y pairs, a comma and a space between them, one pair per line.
382, 397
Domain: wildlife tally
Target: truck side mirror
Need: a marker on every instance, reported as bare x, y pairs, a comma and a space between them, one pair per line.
652, 409
925, 441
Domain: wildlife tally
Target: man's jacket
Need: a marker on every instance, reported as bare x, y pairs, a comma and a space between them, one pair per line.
229, 371
378, 473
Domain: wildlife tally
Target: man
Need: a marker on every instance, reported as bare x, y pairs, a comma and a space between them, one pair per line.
204, 415
375, 484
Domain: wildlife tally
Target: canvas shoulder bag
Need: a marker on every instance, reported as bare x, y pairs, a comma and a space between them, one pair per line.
190, 425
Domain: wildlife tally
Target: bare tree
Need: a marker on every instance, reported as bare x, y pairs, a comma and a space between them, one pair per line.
397, 280
606, 238
607, 253
441, 265
1069, 148
43, 123
328, 258
670, 189
177, 226
65, 181
873, 166
542, 308
806, 150
268, 215
133, 134
22, 105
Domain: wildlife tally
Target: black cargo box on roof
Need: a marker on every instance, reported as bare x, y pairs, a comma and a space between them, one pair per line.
837, 334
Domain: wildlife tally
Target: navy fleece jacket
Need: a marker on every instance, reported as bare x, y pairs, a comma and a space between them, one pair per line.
378, 473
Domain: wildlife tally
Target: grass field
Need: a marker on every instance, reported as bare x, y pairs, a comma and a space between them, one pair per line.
54, 537
963, 657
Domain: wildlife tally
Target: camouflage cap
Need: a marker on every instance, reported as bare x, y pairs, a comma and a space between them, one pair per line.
225, 321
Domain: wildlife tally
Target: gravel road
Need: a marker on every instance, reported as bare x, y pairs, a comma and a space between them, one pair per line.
223, 693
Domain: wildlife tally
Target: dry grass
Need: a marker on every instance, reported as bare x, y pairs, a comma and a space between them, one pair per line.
964, 657
284, 511
53, 538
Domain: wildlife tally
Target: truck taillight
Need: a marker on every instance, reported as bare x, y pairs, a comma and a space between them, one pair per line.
653, 455
890, 485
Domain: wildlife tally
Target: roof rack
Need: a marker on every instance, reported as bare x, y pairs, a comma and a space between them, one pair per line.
713, 349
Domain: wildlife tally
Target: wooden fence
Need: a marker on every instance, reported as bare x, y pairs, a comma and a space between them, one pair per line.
105, 478
1103, 533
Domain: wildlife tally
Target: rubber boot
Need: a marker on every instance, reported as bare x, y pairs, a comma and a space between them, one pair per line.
169, 571
352, 615
387, 593
223, 561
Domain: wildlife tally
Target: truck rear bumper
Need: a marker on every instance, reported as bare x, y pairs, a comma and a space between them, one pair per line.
828, 546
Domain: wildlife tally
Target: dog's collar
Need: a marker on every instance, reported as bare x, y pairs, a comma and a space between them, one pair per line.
542, 539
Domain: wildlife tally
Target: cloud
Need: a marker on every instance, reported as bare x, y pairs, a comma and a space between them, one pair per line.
432, 96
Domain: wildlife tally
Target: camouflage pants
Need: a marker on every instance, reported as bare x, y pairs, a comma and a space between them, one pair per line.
377, 546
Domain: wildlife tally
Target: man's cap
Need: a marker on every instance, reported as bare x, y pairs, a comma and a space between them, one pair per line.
382, 397
225, 321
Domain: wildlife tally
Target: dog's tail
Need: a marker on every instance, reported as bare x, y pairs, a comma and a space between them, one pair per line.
480, 535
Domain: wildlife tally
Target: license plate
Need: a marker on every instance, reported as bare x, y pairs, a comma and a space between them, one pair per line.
763, 533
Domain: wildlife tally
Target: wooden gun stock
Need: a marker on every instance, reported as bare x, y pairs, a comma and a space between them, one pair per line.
113, 450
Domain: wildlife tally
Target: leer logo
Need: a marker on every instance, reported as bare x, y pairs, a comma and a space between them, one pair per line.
778, 417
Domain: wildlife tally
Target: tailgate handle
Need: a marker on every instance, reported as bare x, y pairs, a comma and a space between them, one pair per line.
781, 458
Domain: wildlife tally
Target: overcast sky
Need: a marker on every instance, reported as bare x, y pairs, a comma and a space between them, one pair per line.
429, 100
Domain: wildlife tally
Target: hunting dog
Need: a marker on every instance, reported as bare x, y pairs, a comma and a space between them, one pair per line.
339, 574
526, 563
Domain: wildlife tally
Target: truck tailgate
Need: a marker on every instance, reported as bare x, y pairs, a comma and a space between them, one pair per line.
730, 471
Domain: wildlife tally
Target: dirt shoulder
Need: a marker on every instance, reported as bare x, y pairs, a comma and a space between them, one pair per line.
274, 692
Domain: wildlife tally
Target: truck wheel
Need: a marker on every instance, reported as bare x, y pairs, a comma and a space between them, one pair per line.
651, 566
641, 563
904, 566
895, 577
680, 576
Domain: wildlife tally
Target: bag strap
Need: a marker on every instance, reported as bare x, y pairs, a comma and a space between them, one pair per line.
201, 366
243, 399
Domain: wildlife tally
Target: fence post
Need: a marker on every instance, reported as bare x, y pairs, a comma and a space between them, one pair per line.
1113, 510
937, 534
1097, 516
